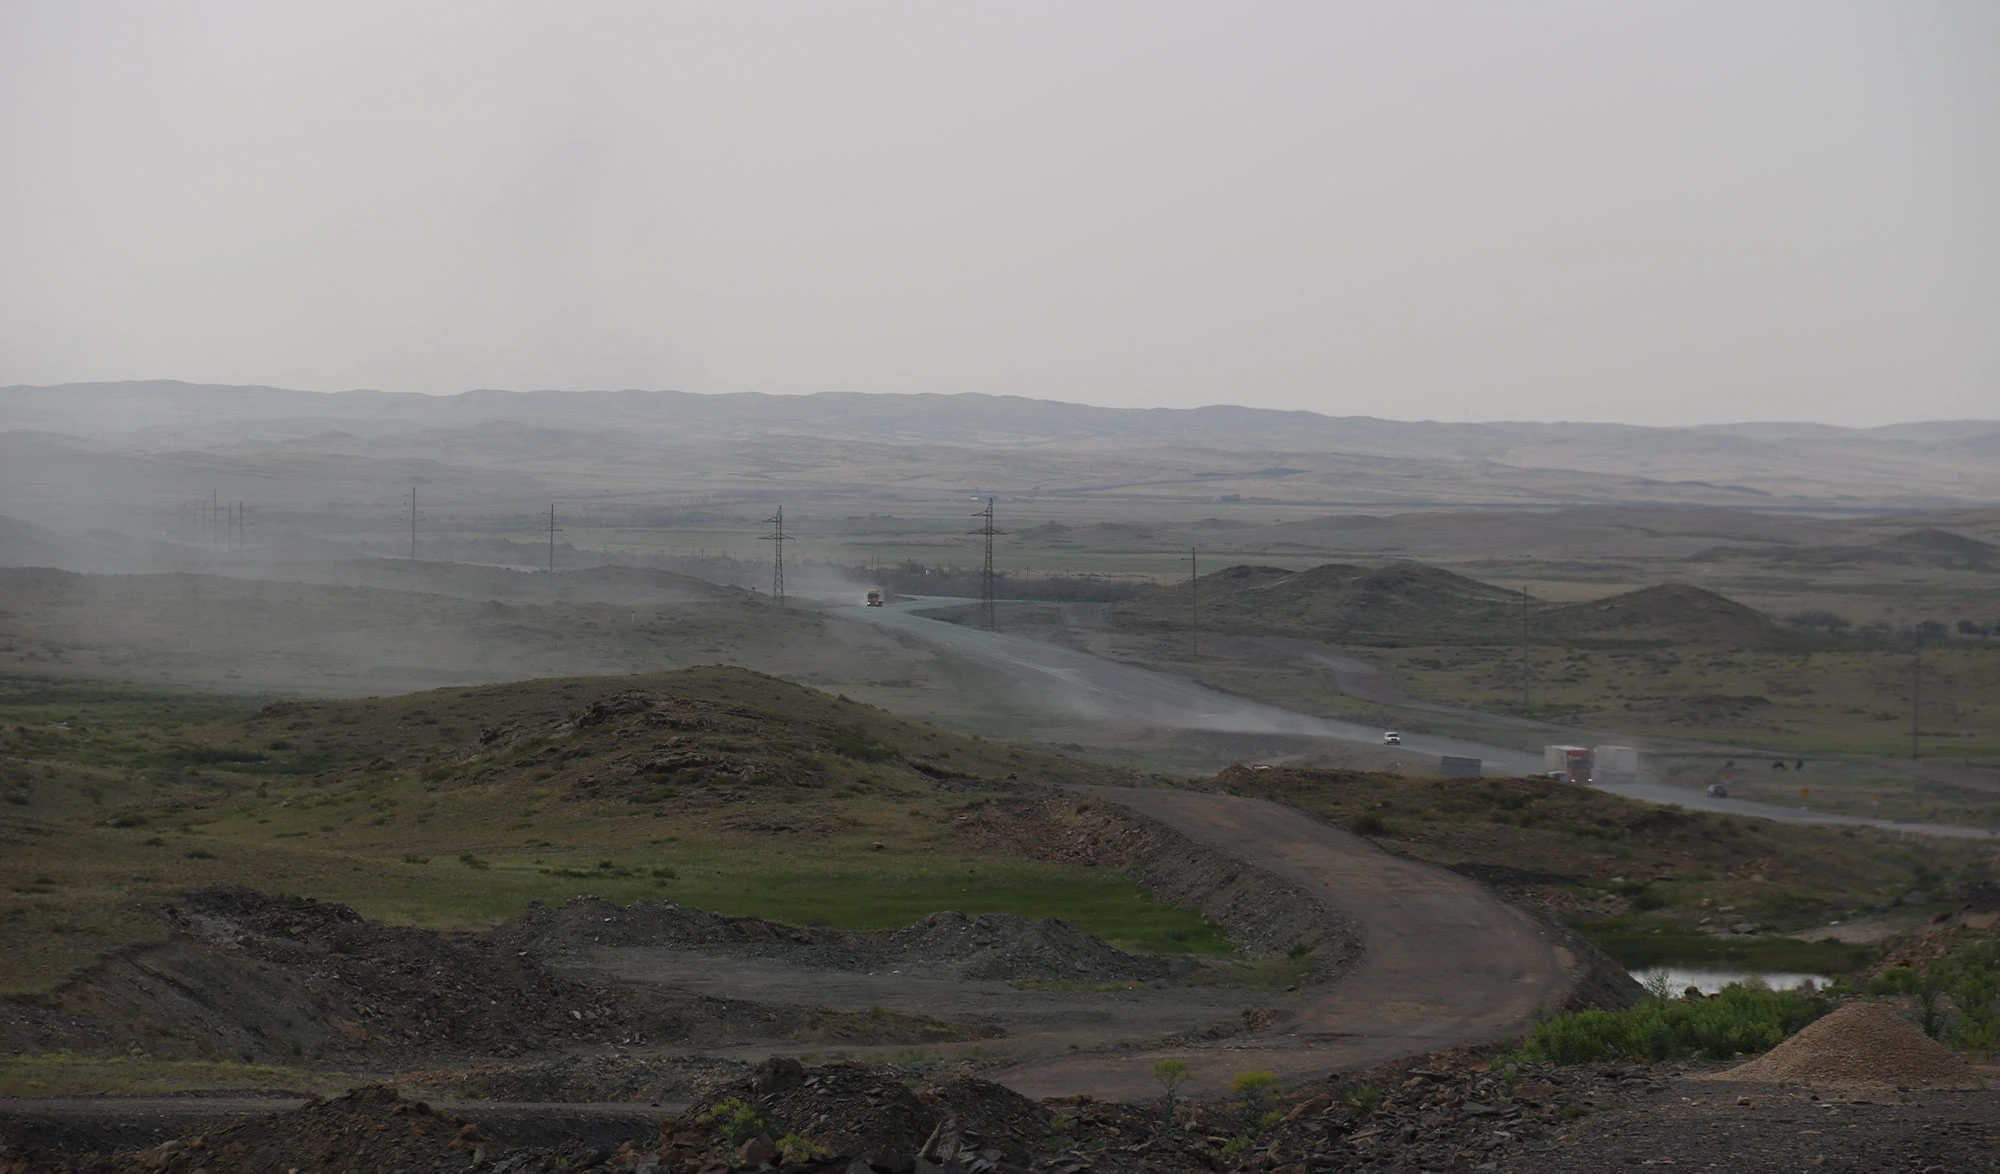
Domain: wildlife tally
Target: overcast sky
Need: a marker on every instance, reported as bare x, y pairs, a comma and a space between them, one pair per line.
1652, 212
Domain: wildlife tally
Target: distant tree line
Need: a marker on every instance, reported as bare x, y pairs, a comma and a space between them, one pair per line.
1881, 631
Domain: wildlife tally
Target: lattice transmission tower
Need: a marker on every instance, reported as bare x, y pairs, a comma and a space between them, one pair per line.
777, 538
986, 594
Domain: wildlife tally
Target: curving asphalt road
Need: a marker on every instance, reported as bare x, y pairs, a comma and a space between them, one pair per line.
1445, 963
1074, 682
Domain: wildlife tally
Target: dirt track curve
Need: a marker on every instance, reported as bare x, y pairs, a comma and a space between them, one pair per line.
1445, 962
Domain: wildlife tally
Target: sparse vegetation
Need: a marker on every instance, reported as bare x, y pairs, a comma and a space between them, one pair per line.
1743, 1019
359, 831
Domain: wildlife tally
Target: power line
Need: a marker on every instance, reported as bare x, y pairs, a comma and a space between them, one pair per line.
777, 538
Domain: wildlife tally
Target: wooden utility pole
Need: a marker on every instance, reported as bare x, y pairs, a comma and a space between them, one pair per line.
1916, 690
552, 542
1524, 652
1194, 601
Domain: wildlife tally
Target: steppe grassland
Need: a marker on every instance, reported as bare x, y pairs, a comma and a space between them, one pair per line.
119, 814
1649, 884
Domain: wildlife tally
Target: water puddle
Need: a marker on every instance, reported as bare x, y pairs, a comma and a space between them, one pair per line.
1708, 982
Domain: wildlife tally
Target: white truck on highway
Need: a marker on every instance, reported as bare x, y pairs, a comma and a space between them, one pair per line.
1614, 764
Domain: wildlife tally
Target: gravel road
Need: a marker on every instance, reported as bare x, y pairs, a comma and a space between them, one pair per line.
1446, 962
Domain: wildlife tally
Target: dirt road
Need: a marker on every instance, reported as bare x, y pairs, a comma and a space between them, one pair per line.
1446, 962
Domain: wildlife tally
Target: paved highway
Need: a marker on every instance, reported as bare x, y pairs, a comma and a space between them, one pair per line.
1070, 682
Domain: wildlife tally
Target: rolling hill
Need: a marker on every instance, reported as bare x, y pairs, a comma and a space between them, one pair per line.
1404, 604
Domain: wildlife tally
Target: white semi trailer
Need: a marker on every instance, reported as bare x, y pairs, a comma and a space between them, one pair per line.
1614, 764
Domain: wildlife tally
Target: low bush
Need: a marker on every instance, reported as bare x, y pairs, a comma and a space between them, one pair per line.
1958, 997
1741, 1020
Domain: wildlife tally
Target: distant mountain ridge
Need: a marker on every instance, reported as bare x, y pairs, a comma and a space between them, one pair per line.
1012, 445
139, 406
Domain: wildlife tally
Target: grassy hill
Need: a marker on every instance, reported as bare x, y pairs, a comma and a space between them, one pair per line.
1648, 884
1411, 605
1404, 604
1672, 613
1926, 547
454, 808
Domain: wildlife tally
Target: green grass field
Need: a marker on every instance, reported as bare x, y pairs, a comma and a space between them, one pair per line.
393, 806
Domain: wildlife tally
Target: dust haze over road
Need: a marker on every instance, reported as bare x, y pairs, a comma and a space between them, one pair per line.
1072, 682
1077, 682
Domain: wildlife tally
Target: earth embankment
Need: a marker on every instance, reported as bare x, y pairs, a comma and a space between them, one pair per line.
1443, 962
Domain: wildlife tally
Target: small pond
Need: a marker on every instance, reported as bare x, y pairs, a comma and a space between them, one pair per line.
1708, 980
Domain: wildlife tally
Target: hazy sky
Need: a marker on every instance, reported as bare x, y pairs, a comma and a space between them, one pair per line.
1655, 212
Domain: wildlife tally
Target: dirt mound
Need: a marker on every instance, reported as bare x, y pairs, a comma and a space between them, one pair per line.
1861, 1043
583, 1079
989, 946
856, 1111
370, 1128
281, 979
1671, 613
988, 1113
1001, 946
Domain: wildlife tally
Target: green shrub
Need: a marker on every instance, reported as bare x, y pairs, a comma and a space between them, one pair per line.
1366, 1099
738, 1120
860, 746
1742, 1019
1253, 1091
1369, 824
1970, 978
471, 861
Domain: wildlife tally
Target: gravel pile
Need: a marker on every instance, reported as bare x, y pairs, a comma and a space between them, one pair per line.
1859, 1044
1000, 946
370, 1128
583, 1079
988, 946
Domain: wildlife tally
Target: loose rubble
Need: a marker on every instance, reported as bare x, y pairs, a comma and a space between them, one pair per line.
1447, 1111
950, 945
279, 979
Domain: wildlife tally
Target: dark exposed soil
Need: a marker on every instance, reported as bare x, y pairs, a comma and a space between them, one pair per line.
292, 979
1447, 1111
595, 1078
950, 944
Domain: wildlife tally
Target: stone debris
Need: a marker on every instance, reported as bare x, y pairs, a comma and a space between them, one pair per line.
1448, 1111
986, 946
277, 979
